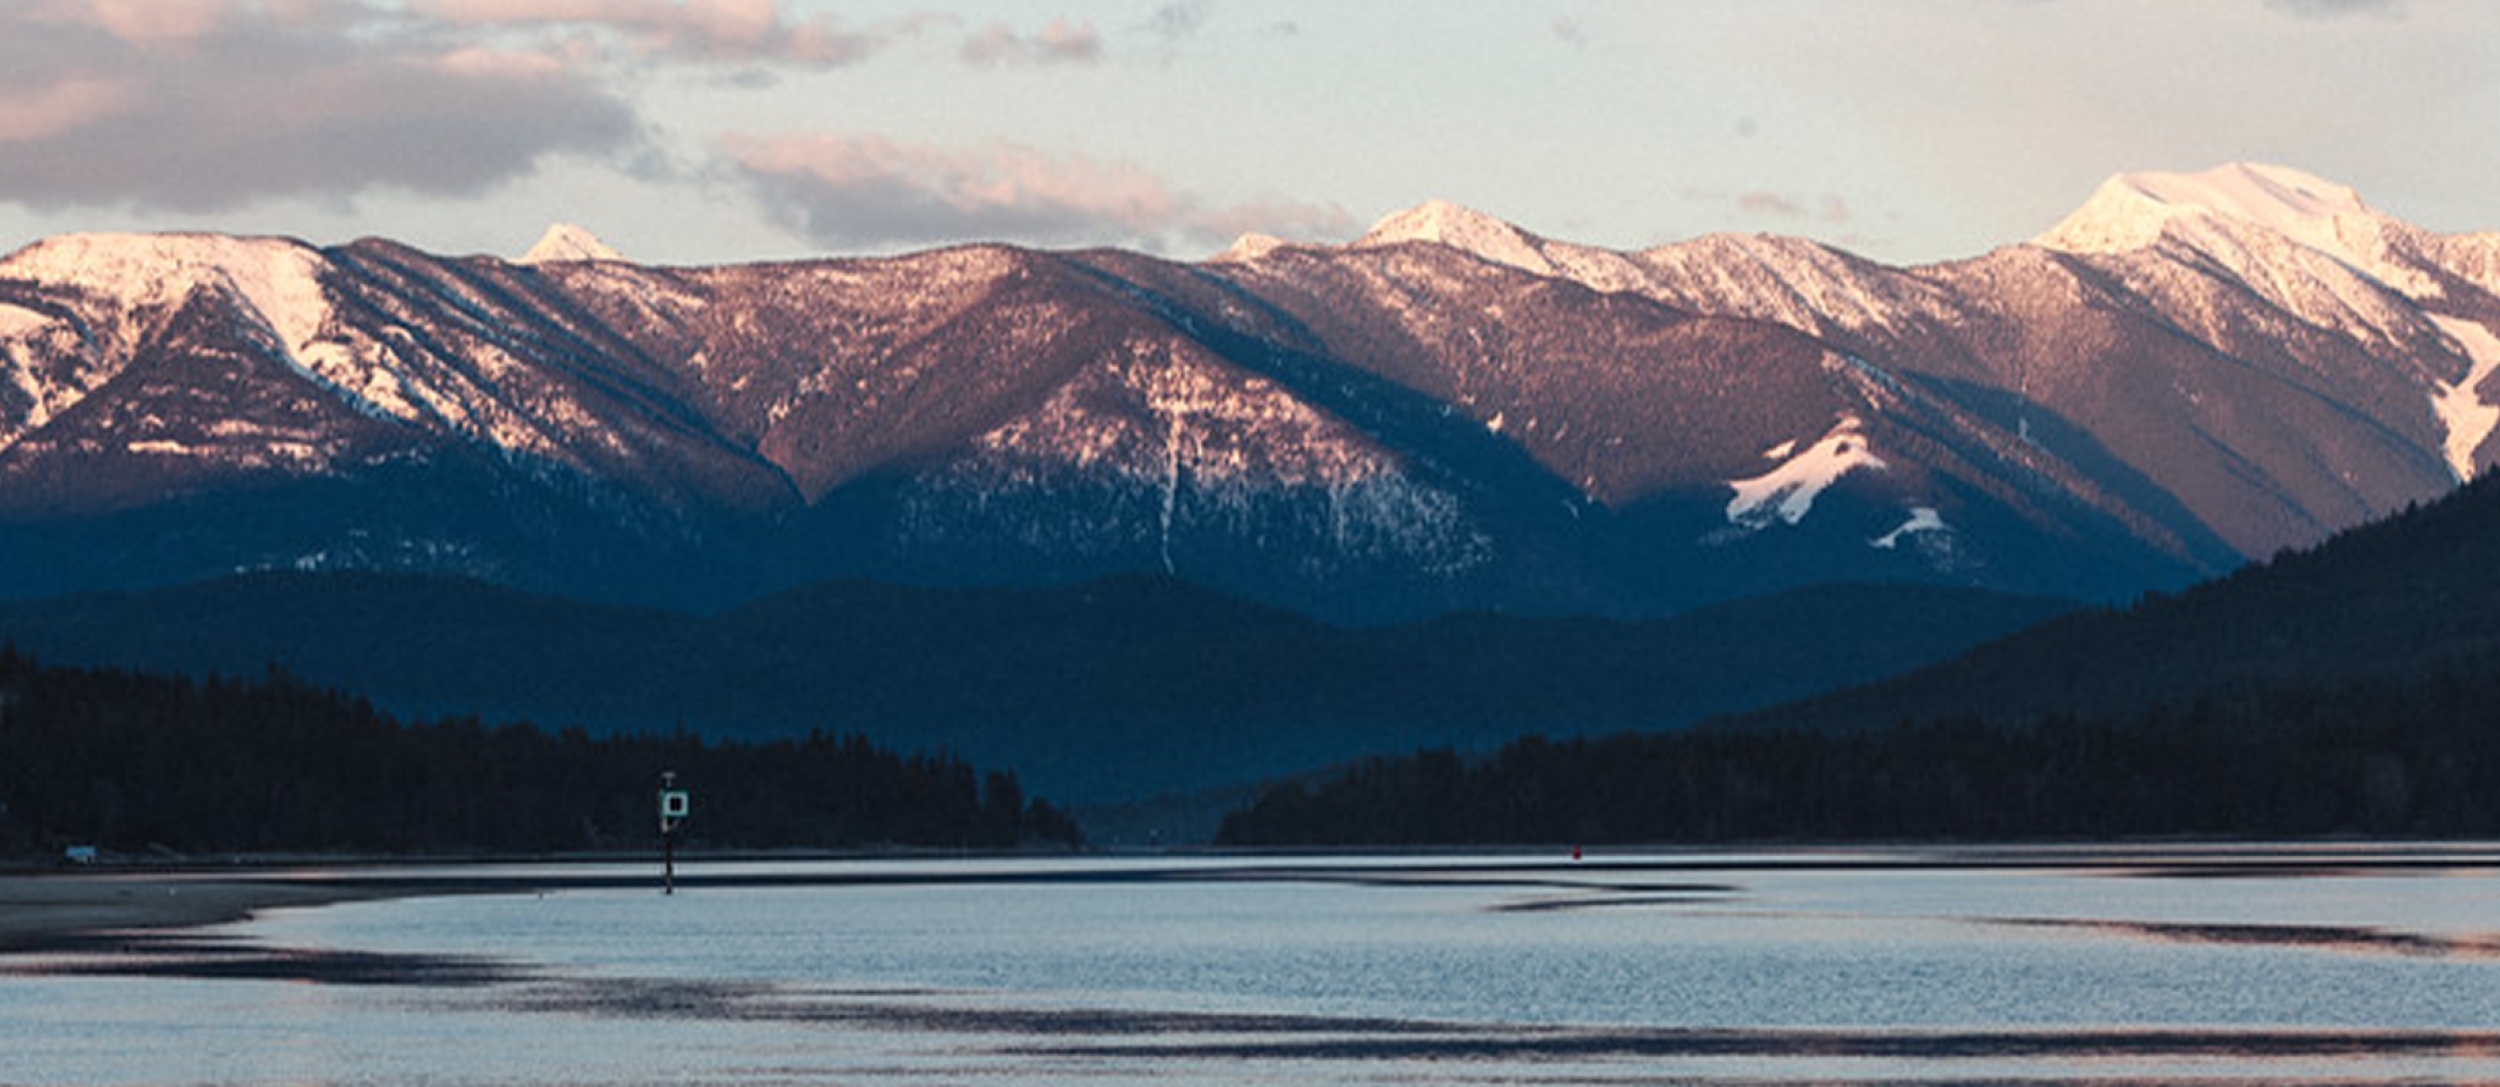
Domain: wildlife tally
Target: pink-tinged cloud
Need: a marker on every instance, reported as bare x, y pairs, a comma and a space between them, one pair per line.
224, 104
1292, 220
846, 191
76, 102
706, 31
151, 24
1828, 208
869, 190
1058, 42
1770, 203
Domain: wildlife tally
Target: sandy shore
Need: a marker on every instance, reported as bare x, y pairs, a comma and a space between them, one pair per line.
39, 911
57, 909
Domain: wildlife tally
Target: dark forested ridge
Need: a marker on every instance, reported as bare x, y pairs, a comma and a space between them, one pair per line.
2391, 599
2353, 688
131, 761
2372, 757
1115, 689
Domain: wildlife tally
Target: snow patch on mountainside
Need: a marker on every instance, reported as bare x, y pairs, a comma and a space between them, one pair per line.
1154, 411
46, 365
18, 322
2474, 258
1786, 494
2468, 417
1592, 267
1922, 519
251, 455
1794, 282
1211, 450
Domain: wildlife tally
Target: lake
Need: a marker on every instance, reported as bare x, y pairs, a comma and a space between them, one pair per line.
2318, 964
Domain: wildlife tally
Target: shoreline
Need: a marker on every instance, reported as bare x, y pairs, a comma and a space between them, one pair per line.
63, 909
56, 911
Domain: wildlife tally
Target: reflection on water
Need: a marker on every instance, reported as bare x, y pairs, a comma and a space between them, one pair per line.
2346, 938
2338, 965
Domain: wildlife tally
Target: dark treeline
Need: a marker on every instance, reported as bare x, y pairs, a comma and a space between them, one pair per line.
132, 761
2417, 755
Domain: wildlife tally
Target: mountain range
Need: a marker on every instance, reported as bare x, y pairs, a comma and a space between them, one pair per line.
2190, 371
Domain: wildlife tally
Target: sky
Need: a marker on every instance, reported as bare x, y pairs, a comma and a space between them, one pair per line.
718, 131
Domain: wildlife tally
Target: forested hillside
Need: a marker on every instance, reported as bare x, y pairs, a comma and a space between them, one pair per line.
2376, 757
2392, 599
136, 762
2351, 688
1109, 690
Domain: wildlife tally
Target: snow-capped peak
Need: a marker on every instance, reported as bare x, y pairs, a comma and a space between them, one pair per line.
567, 242
1460, 228
278, 278
1250, 247
2131, 211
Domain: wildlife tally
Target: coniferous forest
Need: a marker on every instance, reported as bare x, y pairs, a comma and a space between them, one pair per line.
137, 762
2351, 689
2398, 756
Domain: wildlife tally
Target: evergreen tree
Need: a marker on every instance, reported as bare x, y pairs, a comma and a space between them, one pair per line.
136, 762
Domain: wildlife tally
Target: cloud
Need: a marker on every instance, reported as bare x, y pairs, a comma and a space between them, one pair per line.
1176, 21
39, 112
695, 31
1058, 42
1828, 208
215, 104
2329, 9
1294, 220
869, 190
156, 25
1770, 203
866, 191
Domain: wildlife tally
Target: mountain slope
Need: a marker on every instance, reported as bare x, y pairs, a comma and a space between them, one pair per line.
1451, 412
2340, 691
2393, 600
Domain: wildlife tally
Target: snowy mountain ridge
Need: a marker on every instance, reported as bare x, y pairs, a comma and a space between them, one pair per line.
2129, 210
276, 279
1451, 411
2133, 211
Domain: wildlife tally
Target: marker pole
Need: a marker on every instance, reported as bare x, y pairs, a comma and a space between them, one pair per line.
672, 808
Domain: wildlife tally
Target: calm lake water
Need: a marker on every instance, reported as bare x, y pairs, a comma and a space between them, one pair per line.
2317, 965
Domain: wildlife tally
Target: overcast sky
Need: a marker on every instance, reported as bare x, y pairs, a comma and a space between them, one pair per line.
703, 131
